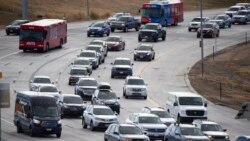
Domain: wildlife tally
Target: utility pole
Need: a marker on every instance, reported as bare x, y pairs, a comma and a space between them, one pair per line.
25, 14
88, 16
201, 41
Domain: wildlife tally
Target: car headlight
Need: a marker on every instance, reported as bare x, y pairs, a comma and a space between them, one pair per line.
148, 53
36, 121
226, 137
209, 136
59, 122
183, 112
66, 106
116, 103
135, 52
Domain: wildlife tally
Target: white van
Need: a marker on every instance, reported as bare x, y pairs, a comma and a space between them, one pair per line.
186, 106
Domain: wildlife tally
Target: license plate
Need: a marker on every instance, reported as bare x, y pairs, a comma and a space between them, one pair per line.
141, 56
48, 129
11, 30
121, 72
93, 32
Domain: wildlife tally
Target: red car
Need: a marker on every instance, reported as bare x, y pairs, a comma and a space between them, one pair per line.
115, 43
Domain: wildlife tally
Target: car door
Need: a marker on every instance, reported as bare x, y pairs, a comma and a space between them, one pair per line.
171, 134
110, 133
248, 16
116, 134
177, 134
88, 115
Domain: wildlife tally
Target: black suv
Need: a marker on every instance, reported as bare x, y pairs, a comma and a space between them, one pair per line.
144, 52
125, 23
122, 67
152, 31
14, 27
106, 97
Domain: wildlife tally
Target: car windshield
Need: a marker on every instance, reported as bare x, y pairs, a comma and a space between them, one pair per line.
124, 19
72, 100
48, 89
195, 101
41, 80
97, 49
130, 130
97, 25
136, 82
242, 13
103, 111
87, 54
148, 26
207, 26
116, 15
161, 114
122, 62
147, 48
107, 95
211, 127
44, 108
219, 17
113, 39
81, 62
191, 131
78, 72
198, 19
233, 9
153, 120
32, 35
151, 12
88, 83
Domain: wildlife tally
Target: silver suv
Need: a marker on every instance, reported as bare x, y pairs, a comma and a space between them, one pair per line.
38, 81
92, 56
100, 52
196, 23
161, 113
241, 17
102, 43
134, 86
98, 116
149, 123
212, 130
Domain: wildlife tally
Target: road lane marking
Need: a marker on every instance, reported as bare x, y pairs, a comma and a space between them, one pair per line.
9, 55
7, 121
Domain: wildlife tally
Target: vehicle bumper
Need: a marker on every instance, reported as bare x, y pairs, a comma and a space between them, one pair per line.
96, 33
142, 57
122, 73
120, 27
114, 47
46, 130
73, 112
136, 94
190, 119
238, 20
12, 31
103, 124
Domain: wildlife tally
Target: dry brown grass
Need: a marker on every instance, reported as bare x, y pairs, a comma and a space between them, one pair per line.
231, 68
75, 10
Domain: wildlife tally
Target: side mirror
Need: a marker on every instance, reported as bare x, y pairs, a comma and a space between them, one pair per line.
205, 104
176, 133
118, 97
175, 104
132, 64
60, 92
224, 130
116, 133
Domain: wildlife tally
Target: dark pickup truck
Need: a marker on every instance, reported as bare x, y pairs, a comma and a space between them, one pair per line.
152, 31
125, 23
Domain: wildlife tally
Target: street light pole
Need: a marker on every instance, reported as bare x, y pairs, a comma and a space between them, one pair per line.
25, 9
201, 41
88, 17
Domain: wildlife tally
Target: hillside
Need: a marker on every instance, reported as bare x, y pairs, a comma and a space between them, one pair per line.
75, 10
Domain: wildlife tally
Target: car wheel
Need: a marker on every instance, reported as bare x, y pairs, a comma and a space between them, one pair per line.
112, 29
58, 135
163, 37
31, 132
112, 76
118, 111
103, 60
88, 35
92, 128
7, 33
84, 125
108, 33
135, 59
19, 128
139, 39
155, 39
229, 25
198, 35
145, 97
125, 29
137, 28
69, 83
153, 57
24, 50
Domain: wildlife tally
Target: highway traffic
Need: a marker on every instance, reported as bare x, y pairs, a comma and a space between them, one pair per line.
167, 72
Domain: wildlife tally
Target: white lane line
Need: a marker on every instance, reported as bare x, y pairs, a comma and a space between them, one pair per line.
7, 121
10, 54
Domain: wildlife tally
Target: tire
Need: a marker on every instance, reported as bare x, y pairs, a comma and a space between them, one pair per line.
69, 83
137, 28
92, 128
125, 29
178, 119
31, 132
145, 97
218, 34
118, 111
7, 33
153, 57
103, 60
84, 125
229, 26
189, 30
46, 48
61, 43
58, 135
112, 76
135, 59
156, 39
139, 39
88, 35
198, 35
163, 37
24, 50
108, 33
19, 128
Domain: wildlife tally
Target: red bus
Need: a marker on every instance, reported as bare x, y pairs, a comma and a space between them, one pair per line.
43, 35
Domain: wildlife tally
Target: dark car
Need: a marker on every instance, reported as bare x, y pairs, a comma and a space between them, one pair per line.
209, 30
184, 132
72, 105
102, 43
144, 52
222, 20
121, 67
76, 73
125, 23
115, 16
115, 43
86, 87
14, 27
124, 132
37, 114
108, 98
98, 29
152, 31
243, 138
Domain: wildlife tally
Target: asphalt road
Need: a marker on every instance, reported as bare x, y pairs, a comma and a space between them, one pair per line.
166, 73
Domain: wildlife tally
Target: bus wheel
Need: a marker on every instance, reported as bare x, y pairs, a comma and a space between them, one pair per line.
24, 50
46, 48
61, 43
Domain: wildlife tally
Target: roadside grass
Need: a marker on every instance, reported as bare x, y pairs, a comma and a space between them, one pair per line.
76, 10
226, 79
